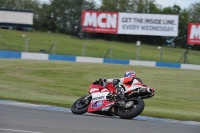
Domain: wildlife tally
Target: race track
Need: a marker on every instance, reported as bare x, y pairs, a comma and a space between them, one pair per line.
22, 119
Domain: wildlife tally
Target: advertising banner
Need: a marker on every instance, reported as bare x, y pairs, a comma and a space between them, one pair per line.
193, 33
130, 23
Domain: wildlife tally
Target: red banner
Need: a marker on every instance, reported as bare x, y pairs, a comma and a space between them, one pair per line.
99, 22
193, 33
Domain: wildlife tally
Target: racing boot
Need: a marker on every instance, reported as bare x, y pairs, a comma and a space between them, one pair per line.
110, 97
120, 96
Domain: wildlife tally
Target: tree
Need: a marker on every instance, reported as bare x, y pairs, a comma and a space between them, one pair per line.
143, 6
3, 3
115, 5
44, 20
20, 4
67, 13
183, 22
194, 12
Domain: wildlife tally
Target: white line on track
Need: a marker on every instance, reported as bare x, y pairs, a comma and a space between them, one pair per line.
20, 131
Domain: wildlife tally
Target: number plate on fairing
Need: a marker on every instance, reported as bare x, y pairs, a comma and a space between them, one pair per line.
99, 101
99, 96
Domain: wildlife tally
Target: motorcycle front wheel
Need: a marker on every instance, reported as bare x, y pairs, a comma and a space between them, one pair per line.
133, 108
80, 106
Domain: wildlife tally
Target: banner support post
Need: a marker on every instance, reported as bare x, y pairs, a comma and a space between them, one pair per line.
138, 49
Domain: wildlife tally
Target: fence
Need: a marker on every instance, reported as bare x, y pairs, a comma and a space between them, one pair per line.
65, 45
42, 56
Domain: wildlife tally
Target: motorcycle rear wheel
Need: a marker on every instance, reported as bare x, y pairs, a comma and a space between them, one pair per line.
133, 111
79, 106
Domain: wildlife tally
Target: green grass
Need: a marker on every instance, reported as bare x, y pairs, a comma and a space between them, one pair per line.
13, 40
60, 83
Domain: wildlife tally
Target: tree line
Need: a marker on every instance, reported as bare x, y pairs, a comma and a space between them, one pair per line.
64, 16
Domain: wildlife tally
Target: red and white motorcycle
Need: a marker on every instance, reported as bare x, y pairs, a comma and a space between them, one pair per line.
102, 100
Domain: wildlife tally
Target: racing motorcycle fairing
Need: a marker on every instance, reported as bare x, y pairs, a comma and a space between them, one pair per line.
99, 102
96, 87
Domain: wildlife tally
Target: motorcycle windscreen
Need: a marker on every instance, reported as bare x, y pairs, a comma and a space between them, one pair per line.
99, 102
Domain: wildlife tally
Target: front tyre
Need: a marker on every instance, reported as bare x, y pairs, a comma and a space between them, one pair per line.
80, 106
133, 108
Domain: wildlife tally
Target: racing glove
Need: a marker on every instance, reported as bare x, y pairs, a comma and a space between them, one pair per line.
102, 81
116, 82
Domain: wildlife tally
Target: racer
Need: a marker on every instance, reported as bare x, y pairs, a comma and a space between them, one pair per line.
130, 82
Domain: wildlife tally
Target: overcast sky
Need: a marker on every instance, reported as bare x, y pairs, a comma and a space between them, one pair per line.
165, 3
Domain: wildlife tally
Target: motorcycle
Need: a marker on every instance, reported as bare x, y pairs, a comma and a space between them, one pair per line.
103, 101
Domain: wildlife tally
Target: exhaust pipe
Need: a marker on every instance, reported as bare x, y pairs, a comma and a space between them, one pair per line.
145, 91
147, 96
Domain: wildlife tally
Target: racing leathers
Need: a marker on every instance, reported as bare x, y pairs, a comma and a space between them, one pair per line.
126, 84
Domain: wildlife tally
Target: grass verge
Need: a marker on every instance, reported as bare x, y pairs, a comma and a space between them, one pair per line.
61, 83
13, 40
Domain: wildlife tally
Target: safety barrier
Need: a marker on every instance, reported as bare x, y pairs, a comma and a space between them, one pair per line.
43, 56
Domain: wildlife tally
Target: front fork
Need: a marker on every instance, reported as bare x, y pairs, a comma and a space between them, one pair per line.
87, 99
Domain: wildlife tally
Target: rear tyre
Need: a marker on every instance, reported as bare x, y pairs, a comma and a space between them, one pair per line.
80, 106
132, 111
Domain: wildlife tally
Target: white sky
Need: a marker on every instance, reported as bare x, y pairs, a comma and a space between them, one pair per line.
165, 3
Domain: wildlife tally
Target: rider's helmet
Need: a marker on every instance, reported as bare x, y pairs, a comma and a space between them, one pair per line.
130, 74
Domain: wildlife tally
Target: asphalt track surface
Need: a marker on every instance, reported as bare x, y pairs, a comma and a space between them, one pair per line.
19, 119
